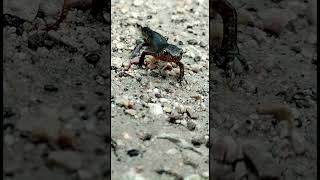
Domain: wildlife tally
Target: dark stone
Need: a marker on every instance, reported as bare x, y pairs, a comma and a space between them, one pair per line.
133, 152
92, 58
50, 88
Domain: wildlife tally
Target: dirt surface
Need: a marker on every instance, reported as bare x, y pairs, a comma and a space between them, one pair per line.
278, 39
55, 100
158, 125
56, 93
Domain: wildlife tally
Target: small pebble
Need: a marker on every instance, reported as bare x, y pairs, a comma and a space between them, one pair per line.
205, 174
190, 112
191, 125
163, 100
144, 136
197, 140
172, 151
127, 136
137, 2
100, 80
92, 58
193, 177
50, 88
240, 170
167, 109
91, 44
195, 68
192, 42
133, 152
155, 109
124, 102
298, 143
132, 112
182, 109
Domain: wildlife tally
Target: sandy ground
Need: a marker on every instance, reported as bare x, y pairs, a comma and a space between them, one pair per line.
55, 100
278, 39
149, 107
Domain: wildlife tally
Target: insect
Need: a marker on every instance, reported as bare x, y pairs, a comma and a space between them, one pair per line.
159, 48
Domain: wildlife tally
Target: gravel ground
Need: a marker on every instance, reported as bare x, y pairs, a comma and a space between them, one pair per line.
278, 39
158, 125
55, 99
56, 91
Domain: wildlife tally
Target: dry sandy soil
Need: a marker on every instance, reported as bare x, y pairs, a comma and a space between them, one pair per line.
278, 39
151, 128
56, 97
55, 117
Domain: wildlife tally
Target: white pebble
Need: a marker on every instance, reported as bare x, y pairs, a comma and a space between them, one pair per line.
182, 109
172, 151
167, 109
163, 100
155, 108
